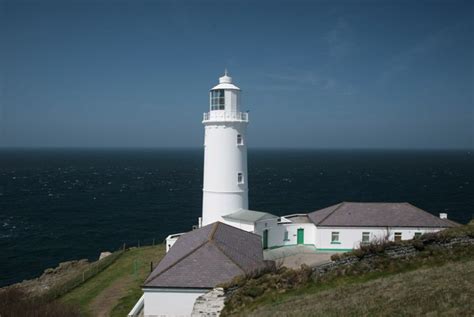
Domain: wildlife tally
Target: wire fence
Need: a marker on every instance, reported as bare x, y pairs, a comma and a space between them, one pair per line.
79, 278
61, 288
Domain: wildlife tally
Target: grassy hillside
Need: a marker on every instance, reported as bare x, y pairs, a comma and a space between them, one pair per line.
436, 281
436, 291
114, 291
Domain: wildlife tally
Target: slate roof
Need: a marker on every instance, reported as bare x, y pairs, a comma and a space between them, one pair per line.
351, 214
206, 257
297, 218
249, 215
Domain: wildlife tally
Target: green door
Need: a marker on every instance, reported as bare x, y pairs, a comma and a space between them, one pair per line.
300, 236
265, 239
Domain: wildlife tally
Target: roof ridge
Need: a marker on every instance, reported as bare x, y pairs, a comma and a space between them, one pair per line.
227, 256
376, 202
213, 231
424, 211
340, 205
179, 260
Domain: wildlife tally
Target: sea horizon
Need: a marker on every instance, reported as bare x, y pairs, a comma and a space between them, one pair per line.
64, 204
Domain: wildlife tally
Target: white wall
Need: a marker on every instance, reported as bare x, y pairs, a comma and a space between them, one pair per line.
292, 228
276, 232
170, 302
350, 238
223, 160
269, 224
232, 100
247, 226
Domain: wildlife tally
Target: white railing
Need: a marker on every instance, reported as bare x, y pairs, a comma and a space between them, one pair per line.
138, 308
225, 116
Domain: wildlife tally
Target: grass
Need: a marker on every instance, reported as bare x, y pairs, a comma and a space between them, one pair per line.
439, 277
436, 291
14, 301
115, 290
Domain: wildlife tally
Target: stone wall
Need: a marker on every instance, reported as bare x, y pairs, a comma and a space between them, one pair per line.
209, 304
212, 303
392, 251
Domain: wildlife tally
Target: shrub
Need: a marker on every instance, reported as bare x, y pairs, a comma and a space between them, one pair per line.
15, 302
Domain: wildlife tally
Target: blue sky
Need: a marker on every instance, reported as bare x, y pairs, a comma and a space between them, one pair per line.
314, 74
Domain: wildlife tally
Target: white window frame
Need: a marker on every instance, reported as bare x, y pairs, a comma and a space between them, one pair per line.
217, 99
240, 139
335, 234
240, 178
367, 235
395, 234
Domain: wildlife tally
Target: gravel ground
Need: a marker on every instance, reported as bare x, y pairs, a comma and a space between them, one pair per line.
295, 256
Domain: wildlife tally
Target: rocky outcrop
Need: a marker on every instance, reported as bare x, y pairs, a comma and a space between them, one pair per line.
209, 304
104, 255
52, 277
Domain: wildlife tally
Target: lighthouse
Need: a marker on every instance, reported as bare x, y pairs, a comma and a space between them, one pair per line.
225, 182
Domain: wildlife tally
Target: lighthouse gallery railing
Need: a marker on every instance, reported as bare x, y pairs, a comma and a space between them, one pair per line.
225, 116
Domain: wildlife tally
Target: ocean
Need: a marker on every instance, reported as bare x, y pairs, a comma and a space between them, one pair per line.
64, 204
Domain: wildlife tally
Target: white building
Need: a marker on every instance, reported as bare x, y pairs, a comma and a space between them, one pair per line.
230, 237
345, 226
225, 188
199, 260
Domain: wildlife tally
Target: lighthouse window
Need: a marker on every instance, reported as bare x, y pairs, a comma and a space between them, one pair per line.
240, 178
240, 141
217, 100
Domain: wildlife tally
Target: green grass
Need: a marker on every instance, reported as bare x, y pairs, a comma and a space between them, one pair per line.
440, 282
435, 291
284, 291
116, 289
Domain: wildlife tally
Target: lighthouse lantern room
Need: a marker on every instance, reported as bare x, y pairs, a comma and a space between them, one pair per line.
225, 185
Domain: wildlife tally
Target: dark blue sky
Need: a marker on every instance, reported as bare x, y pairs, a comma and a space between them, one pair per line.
319, 74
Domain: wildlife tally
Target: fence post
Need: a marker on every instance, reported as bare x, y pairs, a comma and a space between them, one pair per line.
135, 268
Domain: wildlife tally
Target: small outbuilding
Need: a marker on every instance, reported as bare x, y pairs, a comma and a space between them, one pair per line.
196, 263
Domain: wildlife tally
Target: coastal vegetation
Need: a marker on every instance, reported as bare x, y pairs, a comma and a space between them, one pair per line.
117, 288
107, 287
436, 279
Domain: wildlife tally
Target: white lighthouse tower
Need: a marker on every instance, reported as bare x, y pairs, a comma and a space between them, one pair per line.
225, 187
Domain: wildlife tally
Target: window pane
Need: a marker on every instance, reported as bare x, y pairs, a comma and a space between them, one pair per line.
398, 236
335, 236
365, 236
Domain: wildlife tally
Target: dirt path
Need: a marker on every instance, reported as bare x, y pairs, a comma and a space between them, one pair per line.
103, 304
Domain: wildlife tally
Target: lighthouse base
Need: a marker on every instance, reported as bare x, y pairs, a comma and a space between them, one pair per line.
215, 205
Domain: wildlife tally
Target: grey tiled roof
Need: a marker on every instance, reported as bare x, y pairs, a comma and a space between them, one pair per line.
298, 218
376, 215
208, 256
249, 215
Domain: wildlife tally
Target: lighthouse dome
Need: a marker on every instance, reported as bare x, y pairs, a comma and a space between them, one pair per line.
225, 82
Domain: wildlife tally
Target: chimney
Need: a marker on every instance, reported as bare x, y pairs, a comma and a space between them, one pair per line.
443, 215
